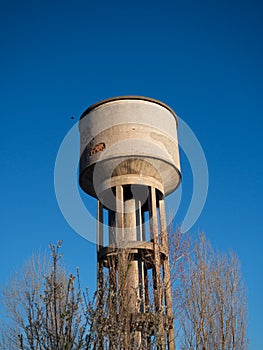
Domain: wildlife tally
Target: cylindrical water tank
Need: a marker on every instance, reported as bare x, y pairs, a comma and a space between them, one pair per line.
129, 140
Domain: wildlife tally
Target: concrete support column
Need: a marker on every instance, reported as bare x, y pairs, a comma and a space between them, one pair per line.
119, 215
133, 291
130, 220
154, 238
166, 274
100, 242
100, 280
157, 282
130, 233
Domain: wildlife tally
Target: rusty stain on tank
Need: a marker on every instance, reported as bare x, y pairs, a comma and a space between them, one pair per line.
97, 148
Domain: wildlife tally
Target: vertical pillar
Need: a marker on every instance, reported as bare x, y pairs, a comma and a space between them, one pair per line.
154, 238
131, 235
157, 282
112, 260
166, 277
140, 262
119, 216
133, 270
100, 281
100, 242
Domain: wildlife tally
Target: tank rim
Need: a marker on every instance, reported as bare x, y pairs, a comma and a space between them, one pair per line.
119, 98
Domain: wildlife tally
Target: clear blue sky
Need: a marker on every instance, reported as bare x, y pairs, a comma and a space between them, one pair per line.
203, 58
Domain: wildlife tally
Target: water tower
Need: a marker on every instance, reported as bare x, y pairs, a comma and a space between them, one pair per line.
130, 163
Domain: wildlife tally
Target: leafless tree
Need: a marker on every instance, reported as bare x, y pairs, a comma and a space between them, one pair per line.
48, 310
45, 308
211, 297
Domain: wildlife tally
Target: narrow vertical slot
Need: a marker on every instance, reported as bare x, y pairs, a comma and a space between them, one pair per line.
105, 234
146, 226
112, 226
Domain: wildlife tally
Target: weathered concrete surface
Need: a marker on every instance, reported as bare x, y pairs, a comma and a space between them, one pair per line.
129, 136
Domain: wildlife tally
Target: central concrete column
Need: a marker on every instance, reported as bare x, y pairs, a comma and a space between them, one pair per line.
130, 234
133, 280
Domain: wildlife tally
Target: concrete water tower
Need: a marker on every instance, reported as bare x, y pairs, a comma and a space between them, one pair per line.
130, 163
